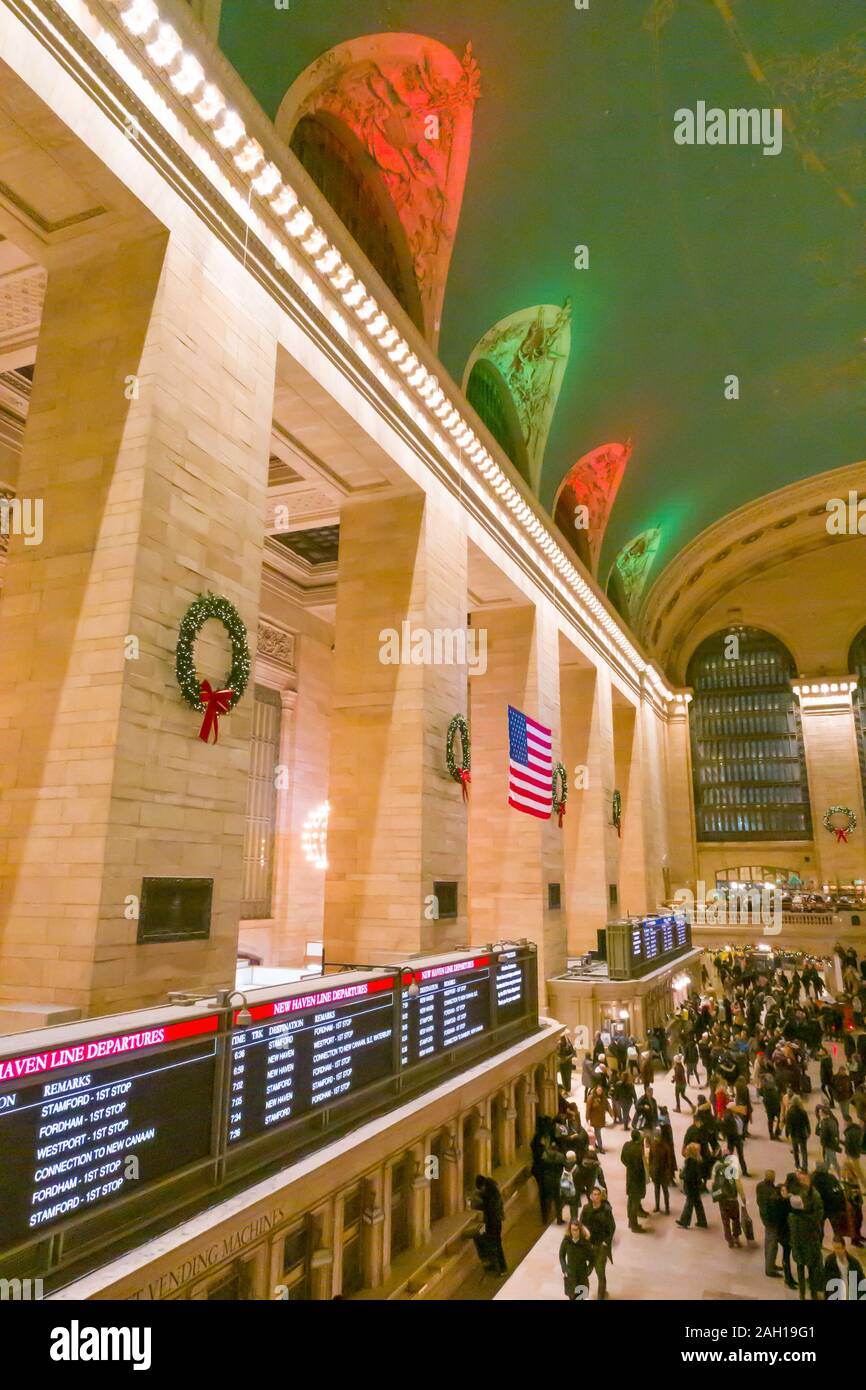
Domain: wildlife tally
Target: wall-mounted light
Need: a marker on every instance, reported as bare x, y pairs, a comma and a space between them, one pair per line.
314, 836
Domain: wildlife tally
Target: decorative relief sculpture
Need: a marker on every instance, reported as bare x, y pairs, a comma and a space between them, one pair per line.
409, 101
530, 350
276, 645
586, 495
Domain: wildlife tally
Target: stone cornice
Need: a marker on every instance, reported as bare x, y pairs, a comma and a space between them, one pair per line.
150, 68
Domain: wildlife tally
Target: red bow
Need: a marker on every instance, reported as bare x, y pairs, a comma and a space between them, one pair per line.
841, 834
216, 702
465, 778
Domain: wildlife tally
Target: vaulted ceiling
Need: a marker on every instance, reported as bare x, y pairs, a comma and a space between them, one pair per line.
705, 261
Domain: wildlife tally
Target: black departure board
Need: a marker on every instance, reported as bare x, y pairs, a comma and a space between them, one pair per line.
451, 1006
682, 930
93, 1128
511, 987
307, 1051
650, 941
655, 939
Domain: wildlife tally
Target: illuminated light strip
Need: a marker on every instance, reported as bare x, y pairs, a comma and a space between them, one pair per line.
142, 20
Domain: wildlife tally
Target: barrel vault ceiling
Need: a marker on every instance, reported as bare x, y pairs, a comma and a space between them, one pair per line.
705, 261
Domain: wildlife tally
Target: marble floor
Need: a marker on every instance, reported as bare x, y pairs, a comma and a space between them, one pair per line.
667, 1262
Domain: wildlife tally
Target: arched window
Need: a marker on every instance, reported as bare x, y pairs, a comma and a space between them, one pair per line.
857, 667
491, 400
348, 178
747, 747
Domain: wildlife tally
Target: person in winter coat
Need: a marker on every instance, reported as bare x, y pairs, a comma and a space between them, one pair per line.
598, 1221
646, 1112
852, 1169
773, 1210
661, 1169
598, 1108
770, 1095
843, 1090
825, 1073
632, 1158
727, 1190
827, 1130
624, 1098
565, 1058
806, 1222
489, 1200
586, 1076
590, 1174
692, 1178
552, 1160
680, 1079
575, 1261
832, 1194
733, 1131
798, 1127
569, 1195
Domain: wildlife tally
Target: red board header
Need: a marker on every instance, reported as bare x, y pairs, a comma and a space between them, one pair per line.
298, 1003
79, 1054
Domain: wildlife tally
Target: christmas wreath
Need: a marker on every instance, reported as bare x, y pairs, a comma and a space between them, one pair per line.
200, 695
616, 811
560, 800
840, 831
462, 772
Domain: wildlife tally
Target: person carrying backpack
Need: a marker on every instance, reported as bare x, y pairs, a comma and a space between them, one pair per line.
569, 1193
726, 1189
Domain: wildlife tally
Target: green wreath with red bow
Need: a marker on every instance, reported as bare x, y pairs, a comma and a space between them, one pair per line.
460, 772
200, 695
560, 796
840, 831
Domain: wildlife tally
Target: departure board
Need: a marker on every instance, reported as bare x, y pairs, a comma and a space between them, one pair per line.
93, 1128
511, 988
682, 930
451, 1007
650, 941
667, 934
308, 1051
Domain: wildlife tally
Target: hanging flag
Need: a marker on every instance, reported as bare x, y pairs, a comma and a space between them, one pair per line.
530, 767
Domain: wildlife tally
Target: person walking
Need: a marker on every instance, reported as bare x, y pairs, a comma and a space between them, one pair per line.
825, 1075
661, 1169
598, 1108
569, 1195
575, 1261
843, 1090
692, 1180
773, 1211
680, 1081
806, 1220
798, 1127
598, 1221
624, 1098
853, 1164
632, 1158
733, 1131
827, 1129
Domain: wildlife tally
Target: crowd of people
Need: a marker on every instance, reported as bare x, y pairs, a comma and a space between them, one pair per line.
752, 1037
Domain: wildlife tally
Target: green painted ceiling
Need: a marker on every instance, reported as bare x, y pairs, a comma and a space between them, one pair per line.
704, 261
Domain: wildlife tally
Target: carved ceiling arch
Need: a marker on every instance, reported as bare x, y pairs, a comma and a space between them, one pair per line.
586, 495
409, 101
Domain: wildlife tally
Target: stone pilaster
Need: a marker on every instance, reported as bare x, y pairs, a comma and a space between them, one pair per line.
833, 770
398, 823
147, 443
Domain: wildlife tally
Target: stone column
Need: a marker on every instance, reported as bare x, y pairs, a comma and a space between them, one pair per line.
398, 822
682, 859
419, 1201
147, 443
513, 856
629, 747
508, 1135
833, 770
590, 845
452, 1171
373, 1230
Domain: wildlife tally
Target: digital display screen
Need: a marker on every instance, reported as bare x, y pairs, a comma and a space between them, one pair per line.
452, 1006
511, 1001
682, 931
308, 1051
636, 943
93, 1127
650, 941
667, 935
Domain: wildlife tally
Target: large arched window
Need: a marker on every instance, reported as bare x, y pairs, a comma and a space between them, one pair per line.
348, 178
491, 400
857, 667
747, 746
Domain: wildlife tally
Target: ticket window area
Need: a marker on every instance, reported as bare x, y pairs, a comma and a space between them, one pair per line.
233, 1284
353, 1248
297, 1250
402, 1174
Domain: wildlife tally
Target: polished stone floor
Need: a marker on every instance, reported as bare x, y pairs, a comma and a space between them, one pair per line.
667, 1262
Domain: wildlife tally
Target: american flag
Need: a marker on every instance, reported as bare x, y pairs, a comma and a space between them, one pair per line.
530, 766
